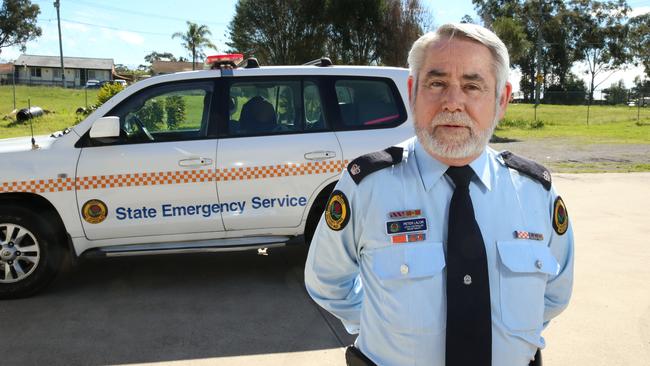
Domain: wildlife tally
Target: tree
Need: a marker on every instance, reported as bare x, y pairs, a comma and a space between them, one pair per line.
18, 23
353, 30
600, 36
156, 56
616, 93
195, 39
640, 40
403, 22
523, 25
298, 38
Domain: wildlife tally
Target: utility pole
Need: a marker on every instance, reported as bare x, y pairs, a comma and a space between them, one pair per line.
538, 78
58, 20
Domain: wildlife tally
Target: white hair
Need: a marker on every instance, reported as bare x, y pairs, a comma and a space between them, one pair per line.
477, 33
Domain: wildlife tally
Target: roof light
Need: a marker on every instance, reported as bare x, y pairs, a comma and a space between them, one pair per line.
218, 61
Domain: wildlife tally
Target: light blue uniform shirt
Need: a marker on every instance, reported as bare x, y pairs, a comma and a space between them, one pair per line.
394, 295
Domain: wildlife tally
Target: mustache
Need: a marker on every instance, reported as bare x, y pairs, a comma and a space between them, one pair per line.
455, 119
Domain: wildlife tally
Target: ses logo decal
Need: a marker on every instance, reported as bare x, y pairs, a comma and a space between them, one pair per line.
94, 211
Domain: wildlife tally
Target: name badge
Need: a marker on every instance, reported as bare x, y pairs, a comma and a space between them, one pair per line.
406, 226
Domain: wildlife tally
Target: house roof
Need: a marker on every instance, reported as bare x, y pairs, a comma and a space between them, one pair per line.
168, 67
68, 62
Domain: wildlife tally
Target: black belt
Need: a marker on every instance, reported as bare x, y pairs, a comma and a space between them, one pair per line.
354, 357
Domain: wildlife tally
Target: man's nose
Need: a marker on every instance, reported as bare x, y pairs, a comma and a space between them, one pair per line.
454, 99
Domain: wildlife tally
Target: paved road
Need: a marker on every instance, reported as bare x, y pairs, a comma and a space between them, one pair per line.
242, 309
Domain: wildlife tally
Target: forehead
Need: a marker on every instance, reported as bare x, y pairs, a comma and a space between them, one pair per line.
458, 56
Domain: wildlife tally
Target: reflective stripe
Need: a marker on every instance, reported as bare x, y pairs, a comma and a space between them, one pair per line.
173, 177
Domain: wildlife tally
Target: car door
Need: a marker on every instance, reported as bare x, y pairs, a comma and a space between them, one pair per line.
278, 150
159, 177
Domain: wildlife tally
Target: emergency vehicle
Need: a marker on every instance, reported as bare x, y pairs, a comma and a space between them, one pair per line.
228, 158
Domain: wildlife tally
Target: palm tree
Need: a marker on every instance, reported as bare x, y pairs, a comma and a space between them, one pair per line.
195, 39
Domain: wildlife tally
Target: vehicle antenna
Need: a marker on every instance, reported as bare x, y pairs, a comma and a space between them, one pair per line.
31, 123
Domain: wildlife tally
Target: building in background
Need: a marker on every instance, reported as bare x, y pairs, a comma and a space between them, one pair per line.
170, 67
46, 70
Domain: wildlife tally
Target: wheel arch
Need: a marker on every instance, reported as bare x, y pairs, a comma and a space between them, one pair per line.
42, 206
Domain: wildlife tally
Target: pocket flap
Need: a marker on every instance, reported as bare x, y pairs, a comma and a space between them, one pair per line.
409, 260
528, 256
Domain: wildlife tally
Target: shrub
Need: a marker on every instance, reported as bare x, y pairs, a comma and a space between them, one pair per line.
107, 91
175, 108
152, 113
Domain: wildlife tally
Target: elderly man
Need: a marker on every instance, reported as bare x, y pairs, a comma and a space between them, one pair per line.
442, 251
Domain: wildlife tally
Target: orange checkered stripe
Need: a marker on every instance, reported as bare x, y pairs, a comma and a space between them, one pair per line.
173, 177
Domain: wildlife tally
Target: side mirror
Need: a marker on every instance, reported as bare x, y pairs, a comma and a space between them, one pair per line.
105, 127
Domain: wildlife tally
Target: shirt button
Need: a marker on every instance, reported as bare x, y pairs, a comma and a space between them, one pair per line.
404, 269
539, 264
467, 280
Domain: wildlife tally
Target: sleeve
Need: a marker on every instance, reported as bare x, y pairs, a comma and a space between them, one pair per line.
332, 268
559, 287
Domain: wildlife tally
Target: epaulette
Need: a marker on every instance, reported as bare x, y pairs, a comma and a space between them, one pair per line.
365, 165
528, 167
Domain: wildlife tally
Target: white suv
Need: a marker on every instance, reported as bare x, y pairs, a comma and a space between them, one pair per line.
195, 161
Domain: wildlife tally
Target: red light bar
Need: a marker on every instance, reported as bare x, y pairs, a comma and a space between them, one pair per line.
235, 58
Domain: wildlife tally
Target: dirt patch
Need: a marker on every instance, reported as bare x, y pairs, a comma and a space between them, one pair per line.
568, 155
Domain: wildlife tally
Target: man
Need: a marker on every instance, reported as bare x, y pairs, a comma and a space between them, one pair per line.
442, 251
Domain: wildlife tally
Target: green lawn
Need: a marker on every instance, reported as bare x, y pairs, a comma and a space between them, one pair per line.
61, 102
607, 124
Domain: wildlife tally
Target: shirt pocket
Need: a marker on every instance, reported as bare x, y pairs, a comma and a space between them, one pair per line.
412, 286
525, 268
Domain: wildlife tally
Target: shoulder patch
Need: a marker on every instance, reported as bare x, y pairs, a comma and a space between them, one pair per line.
365, 165
528, 167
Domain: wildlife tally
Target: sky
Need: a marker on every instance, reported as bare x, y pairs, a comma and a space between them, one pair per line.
126, 31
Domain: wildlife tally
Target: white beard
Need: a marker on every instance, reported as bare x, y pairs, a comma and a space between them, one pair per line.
464, 144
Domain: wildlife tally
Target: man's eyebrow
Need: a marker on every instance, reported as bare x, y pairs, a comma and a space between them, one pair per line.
436, 73
473, 77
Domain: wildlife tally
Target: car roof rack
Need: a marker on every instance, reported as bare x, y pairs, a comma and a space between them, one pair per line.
252, 63
320, 62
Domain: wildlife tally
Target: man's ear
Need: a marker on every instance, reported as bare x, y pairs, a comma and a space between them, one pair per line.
505, 99
409, 83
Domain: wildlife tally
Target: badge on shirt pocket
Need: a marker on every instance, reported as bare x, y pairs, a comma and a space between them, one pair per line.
408, 230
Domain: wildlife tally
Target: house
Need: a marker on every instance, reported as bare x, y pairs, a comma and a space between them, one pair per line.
169, 67
46, 70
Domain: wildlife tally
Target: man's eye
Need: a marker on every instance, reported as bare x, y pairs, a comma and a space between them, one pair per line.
473, 87
436, 84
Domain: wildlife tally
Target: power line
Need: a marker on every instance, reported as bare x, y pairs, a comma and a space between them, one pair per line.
145, 14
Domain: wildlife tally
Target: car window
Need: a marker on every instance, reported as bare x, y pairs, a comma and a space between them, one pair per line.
166, 113
367, 104
274, 107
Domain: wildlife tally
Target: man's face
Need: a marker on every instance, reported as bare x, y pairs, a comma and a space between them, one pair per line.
456, 108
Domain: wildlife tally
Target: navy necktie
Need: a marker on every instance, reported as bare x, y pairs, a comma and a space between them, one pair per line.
469, 323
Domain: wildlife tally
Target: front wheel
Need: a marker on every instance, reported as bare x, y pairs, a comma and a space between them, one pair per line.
30, 255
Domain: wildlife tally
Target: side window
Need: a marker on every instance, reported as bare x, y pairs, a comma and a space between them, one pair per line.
166, 113
366, 104
274, 107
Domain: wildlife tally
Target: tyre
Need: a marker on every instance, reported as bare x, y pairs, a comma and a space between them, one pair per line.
30, 255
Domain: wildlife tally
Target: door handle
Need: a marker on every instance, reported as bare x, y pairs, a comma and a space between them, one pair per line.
320, 155
195, 162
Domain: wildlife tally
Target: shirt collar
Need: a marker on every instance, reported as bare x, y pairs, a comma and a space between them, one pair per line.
431, 170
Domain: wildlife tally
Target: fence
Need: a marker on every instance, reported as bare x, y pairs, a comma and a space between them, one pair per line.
628, 104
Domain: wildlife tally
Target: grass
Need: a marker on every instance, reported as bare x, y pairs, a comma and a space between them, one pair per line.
61, 102
607, 124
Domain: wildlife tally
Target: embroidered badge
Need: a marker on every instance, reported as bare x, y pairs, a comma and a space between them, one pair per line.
560, 216
526, 235
94, 211
337, 213
404, 214
406, 226
355, 169
407, 238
